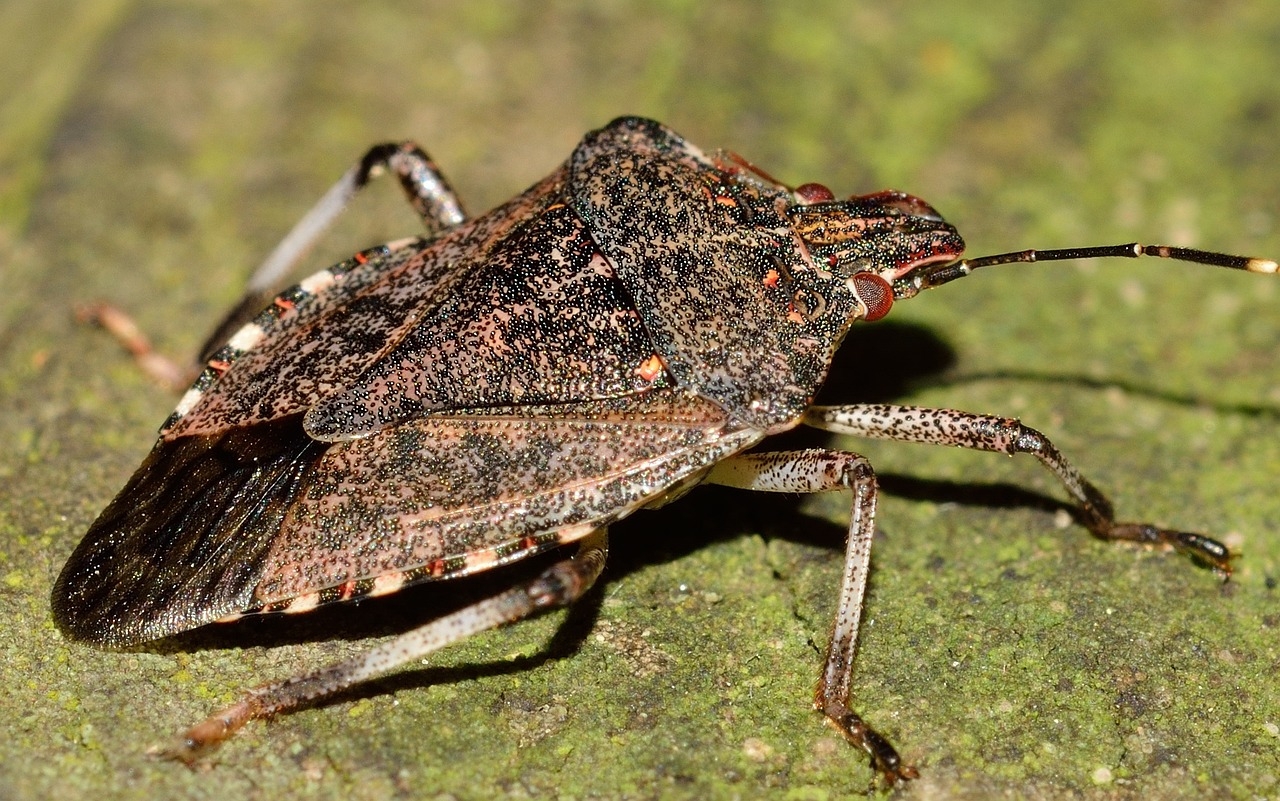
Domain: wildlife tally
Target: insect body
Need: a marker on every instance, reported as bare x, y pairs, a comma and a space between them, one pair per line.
625, 329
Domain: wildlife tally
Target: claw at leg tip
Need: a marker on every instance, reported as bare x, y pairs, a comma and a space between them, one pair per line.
894, 776
181, 749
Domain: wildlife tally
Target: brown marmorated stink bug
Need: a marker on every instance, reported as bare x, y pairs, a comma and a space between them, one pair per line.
440, 405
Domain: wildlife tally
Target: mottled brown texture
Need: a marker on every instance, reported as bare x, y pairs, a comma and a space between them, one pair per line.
441, 488
539, 318
640, 254
331, 338
694, 245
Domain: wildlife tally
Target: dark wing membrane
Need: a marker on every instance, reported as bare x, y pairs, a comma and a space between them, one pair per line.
451, 495
183, 543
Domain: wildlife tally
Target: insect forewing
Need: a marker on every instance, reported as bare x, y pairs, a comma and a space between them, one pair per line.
447, 495
265, 517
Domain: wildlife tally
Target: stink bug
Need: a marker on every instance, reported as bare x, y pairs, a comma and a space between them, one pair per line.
624, 330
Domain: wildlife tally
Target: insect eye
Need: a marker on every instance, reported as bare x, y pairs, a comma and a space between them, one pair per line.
809, 194
874, 292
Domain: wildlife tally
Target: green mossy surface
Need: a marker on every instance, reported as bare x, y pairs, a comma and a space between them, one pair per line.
151, 152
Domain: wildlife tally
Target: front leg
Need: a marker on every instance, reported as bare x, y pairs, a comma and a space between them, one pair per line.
1009, 436
823, 471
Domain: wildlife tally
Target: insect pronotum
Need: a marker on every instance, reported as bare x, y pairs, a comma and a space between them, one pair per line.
627, 328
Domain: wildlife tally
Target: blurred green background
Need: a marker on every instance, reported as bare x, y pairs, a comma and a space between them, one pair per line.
150, 153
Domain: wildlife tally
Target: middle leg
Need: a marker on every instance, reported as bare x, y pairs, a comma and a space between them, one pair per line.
823, 471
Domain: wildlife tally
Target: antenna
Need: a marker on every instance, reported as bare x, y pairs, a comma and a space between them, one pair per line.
937, 274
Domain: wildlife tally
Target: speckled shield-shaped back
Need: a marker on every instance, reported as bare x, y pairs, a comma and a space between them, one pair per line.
701, 248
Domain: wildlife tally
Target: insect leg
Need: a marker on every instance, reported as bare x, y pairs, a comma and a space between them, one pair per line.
1007, 435
428, 192
426, 188
822, 471
559, 585
163, 370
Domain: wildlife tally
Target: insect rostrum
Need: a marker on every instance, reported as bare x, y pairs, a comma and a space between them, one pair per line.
505, 385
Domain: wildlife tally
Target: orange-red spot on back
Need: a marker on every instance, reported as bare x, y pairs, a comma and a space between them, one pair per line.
650, 368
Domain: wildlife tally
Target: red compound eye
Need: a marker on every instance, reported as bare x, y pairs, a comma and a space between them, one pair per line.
808, 194
875, 293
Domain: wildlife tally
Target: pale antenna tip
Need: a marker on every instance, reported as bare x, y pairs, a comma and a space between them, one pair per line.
1261, 266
